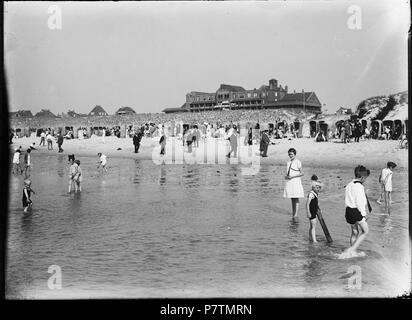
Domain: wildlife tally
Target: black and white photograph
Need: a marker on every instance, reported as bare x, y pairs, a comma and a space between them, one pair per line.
207, 149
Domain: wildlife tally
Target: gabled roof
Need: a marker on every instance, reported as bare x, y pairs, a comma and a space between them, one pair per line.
21, 114
97, 110
46, 113
231, 88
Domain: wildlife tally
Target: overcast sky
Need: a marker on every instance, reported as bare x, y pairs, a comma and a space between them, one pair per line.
149, 55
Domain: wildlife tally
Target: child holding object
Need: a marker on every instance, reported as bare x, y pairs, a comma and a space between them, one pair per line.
27, 203
385, 179
312, 206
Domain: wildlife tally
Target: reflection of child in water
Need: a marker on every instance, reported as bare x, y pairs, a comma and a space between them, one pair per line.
312, 206
27, 203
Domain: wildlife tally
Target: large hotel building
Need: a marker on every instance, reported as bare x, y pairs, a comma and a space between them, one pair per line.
272, 96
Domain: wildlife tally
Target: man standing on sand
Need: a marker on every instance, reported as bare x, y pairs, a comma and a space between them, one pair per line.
136, 140
233, 142
60, 141
49, 139
264, 143
42, 138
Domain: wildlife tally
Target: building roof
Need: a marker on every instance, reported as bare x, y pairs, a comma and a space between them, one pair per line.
97, 109
45, 113
296, 96
21, 113
123, 110
170, 110
231, 88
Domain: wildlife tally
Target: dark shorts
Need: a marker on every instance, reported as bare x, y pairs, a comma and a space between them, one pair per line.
353, 215
312, 215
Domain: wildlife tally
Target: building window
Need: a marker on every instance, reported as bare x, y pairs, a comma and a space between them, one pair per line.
249, 95
276, 94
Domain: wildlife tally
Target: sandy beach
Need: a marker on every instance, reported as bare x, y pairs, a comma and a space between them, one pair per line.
333, 154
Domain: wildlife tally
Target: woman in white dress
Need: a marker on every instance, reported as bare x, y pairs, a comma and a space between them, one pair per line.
293, 186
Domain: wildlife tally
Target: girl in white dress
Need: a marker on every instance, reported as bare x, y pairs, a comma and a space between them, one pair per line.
293, 186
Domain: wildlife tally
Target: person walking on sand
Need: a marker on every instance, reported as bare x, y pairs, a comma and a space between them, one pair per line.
102, 161
385, 180
60, 141
233, 143
357, 208
27, 191
293, 185
49, 139
16, 162
312, 207
265, 143
72, 172
42, 138
137, 138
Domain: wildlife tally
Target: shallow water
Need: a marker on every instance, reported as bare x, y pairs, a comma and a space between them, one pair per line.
147, 230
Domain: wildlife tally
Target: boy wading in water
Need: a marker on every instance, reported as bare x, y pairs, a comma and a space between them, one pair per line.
102, 162
27, 203
385, 179
312, 207
356, 211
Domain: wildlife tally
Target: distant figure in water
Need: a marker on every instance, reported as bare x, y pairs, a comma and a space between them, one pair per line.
102, 161
162, 143
312, 206
385, 180
72, 172
357, 207
27, 203
78, 178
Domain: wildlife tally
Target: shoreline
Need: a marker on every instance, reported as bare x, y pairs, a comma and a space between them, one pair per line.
370, 153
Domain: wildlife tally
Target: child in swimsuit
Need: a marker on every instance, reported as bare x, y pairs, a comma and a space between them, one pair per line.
312, 207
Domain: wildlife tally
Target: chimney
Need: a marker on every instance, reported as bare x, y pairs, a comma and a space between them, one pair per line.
294, 91
286, 89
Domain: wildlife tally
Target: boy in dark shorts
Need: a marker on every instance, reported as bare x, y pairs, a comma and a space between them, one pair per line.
357, 208
312, 207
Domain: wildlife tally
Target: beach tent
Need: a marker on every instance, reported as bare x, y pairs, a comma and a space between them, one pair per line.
298, 128
388, 123
185, 127
376, 129
323, 126
67, 129
398, 129
365, 124
405, 127
313, 128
